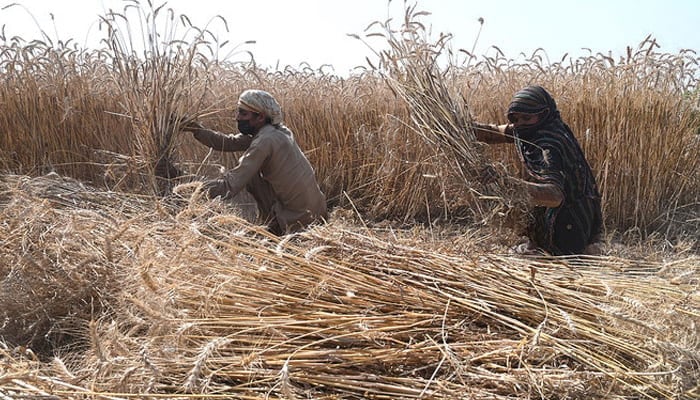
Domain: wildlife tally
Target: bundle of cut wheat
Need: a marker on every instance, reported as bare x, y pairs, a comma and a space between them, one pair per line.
412, 67
162, 85
197, 302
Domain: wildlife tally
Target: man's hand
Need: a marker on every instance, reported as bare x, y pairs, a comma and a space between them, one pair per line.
192, 126
185, 123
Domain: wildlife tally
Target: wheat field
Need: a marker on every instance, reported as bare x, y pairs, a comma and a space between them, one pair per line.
118, 284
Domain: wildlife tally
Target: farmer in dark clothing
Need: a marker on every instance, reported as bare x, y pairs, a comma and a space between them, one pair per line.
567, 213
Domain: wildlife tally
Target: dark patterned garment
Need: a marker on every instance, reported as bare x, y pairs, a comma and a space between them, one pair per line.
551, 154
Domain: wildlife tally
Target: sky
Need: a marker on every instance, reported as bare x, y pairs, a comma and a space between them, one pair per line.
315, 32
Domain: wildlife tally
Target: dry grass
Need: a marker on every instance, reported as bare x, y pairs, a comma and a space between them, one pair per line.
111, 292
104, 115
195, 301
413, 69
164, 77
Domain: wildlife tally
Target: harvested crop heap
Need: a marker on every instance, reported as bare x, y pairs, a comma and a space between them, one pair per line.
183, 297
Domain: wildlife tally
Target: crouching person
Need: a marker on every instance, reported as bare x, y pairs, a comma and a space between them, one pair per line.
566, 218
272, 168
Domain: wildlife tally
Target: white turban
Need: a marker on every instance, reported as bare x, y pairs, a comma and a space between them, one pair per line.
261, 102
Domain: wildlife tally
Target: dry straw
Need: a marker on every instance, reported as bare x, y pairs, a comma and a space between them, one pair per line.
205, 304
97, 116
111, 294
413, 67
163, 77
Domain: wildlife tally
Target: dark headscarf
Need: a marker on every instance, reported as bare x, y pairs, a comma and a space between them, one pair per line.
534, 100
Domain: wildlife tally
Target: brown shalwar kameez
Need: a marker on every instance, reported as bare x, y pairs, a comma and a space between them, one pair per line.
276, 172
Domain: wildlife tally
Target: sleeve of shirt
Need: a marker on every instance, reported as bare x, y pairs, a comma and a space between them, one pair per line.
250, 164
549, 166
223, 142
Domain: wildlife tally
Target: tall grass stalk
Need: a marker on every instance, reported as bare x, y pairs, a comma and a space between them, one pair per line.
414, 68
164, 77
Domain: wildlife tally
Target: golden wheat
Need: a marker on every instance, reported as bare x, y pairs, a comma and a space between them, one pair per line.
111, 292
339, 310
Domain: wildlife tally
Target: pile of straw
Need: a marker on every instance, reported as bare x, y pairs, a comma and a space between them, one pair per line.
195, 301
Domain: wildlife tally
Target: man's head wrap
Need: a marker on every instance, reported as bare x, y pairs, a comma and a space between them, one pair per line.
534, 100
261, 102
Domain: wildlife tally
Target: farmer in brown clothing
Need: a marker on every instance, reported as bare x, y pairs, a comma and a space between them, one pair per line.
272, 168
